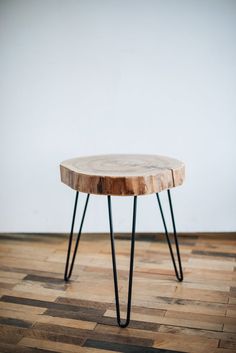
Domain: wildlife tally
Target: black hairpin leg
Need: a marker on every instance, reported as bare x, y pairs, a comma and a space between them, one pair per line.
178, 273
69, 269
126, 322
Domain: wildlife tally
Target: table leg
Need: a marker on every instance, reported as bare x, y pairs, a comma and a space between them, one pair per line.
69, 268
178, 273
67, 273
127, 320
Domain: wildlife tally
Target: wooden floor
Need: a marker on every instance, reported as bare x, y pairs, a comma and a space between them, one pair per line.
40, 313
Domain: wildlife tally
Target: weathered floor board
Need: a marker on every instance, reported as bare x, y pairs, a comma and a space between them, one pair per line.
40, 313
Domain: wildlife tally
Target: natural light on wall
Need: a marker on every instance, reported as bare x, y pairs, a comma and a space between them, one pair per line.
93, 77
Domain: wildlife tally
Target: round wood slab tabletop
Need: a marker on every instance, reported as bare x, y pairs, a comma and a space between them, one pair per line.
122, 174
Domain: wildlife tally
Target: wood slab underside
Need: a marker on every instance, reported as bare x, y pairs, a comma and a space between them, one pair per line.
122, 174
39, 313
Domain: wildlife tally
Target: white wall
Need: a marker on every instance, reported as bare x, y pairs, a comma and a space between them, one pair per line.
105, 76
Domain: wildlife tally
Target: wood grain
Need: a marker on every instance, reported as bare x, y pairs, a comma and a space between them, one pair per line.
40, 313
122, 174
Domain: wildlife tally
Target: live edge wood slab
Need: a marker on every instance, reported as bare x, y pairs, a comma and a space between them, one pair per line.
122, 174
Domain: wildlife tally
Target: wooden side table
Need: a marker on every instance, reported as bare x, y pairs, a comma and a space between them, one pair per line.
122, 175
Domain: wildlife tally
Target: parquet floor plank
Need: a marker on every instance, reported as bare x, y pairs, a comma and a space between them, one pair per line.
57, 346
40, 313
